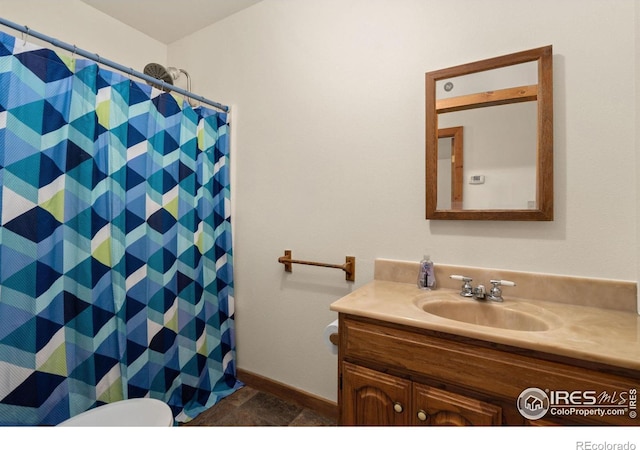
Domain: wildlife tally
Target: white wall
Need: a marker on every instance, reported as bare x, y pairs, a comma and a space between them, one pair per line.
76, 23
328, 101
328, 98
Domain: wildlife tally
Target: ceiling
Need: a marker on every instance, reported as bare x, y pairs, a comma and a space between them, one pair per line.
169, 20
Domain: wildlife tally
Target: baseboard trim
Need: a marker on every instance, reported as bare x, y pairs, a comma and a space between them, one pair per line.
302, 398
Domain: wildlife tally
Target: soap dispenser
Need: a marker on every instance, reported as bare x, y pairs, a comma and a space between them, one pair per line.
426, 275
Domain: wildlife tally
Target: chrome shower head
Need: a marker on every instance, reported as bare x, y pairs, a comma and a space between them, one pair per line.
168, 75
158, 72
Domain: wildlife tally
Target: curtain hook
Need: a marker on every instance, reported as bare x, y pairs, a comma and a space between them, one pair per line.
26, 36
75, 49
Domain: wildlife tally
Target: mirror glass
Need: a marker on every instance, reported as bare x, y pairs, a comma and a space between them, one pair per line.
489, 139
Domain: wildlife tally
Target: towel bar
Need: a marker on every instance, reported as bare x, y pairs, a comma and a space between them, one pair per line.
349, 266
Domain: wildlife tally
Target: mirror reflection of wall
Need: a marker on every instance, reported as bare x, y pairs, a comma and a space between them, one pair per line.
524, 74
500, 146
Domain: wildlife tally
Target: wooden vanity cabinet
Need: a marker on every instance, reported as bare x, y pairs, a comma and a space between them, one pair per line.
396, 375
375, 398
438, 407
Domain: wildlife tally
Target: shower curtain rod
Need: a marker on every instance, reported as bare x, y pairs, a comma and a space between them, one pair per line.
100, 60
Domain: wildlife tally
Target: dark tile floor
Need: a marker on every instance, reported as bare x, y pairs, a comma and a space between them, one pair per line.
250, 407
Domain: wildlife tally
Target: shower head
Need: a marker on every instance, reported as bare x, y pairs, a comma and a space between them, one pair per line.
168, 75
158, 72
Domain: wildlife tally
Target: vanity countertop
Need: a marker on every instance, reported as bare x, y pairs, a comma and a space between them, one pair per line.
583, 332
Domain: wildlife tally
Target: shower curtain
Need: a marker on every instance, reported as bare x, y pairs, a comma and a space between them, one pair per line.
116, 275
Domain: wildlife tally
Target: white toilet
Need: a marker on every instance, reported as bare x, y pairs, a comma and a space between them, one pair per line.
135, 412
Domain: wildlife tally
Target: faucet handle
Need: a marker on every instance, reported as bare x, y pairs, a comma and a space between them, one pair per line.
502, 283
495, 293
467, 289
461, 278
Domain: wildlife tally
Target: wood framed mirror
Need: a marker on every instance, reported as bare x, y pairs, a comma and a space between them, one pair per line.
504, 169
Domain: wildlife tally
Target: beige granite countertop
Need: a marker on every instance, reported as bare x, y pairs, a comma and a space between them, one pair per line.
590, 333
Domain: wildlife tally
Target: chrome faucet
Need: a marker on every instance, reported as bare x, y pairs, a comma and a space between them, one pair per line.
467, 289
480, 292
495, 293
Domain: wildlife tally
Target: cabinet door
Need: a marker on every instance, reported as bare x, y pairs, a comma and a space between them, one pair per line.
437, 407
374, 398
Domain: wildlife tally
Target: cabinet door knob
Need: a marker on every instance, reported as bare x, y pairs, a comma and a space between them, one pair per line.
422, 415
397, 407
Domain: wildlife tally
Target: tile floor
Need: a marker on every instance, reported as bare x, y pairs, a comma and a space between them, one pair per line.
251, 407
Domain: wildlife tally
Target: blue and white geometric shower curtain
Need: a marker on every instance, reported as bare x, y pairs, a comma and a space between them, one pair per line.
116, 275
